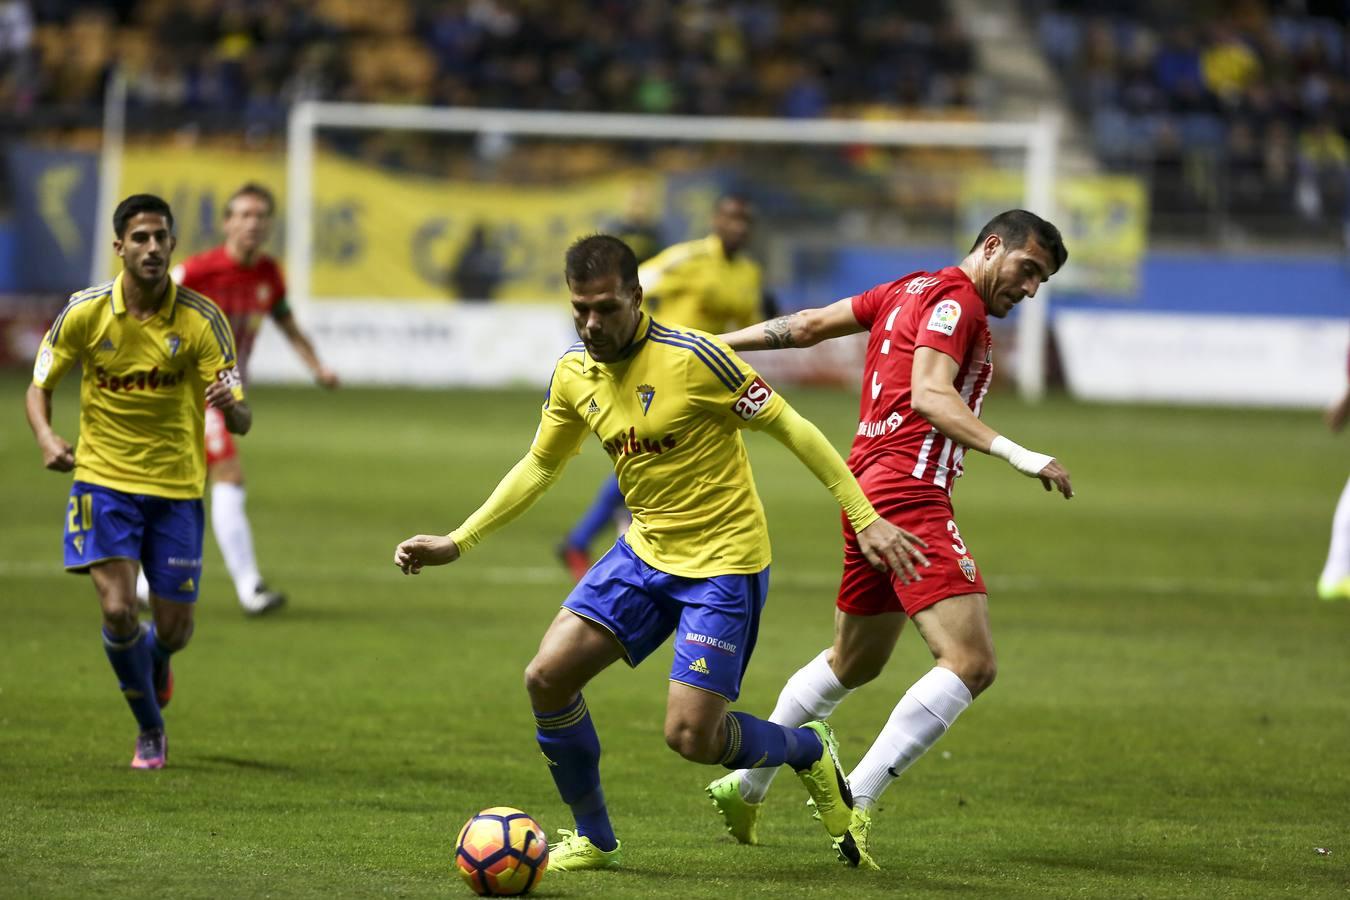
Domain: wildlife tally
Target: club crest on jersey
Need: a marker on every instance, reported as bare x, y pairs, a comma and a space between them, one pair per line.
945, 316
174, 342
967, 567
645, 394
264, 294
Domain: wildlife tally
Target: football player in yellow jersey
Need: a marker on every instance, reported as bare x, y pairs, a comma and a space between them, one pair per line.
667, 405
709, 284
154, 356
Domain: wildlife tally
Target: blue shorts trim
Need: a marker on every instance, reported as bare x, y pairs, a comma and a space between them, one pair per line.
715, 620
163, 535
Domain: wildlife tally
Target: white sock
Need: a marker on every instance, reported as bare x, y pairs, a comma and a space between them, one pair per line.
1338, 557
811, 693
922, 716
235, 537
142, 586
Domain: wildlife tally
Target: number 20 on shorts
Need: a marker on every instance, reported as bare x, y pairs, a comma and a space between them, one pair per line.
80, 514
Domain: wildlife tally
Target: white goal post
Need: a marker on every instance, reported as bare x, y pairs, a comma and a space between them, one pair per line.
1037, 139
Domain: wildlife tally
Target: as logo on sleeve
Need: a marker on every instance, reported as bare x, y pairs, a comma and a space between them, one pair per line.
42, 366
230, 377
945, 316
752, 399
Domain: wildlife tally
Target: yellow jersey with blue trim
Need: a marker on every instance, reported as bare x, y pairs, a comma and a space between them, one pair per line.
142, 391
669, 414
694, 285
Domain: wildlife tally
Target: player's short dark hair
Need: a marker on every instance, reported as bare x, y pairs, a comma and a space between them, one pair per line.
736, 197
599, 255
136, 204
1017, 226
252, 189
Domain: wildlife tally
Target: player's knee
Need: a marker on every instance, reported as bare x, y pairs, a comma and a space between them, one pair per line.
855, 669
121, 621
546, 689
693, 740
977, 672
173, 635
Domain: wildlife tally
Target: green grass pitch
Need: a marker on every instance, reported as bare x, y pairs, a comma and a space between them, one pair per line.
1171, 719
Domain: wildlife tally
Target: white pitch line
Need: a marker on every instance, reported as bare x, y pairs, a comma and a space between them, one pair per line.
822, 581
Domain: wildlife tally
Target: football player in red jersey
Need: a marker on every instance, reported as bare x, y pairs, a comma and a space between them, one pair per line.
247, 284
928, 365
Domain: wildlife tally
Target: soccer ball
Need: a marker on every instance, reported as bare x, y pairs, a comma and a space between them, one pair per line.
501, 852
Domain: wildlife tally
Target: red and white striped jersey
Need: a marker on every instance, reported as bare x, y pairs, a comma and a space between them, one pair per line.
941, 310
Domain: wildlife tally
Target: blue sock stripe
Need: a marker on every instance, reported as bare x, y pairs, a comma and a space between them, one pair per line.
734, 737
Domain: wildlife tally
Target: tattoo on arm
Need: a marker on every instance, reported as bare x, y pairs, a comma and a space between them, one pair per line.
778, 333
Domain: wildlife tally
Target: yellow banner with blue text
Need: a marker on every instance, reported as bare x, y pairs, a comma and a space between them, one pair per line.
1104, 220
384, 235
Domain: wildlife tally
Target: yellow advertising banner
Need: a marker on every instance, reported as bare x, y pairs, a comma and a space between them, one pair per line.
383, 235
1104, 220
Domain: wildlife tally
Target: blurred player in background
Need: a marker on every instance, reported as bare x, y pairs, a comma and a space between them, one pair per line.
709, 284
247, 284
1335, 581
668, 406
154, 357
929, 362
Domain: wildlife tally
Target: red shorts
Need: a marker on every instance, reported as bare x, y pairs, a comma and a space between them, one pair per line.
921, 509
219, 441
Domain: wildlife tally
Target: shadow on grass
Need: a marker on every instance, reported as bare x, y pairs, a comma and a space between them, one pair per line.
237, 762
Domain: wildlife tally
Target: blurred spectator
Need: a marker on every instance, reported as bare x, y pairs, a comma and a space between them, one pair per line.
479, 268
1240, 108
750, 57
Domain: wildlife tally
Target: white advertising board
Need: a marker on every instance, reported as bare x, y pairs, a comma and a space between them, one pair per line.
1202, 359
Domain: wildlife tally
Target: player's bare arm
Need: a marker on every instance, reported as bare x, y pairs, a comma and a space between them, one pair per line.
238, 415
1338, 412
425, 550
304, 348
935, 398
57, 453
804, 328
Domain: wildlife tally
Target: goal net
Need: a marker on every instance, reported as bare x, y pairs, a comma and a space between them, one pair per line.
424, 245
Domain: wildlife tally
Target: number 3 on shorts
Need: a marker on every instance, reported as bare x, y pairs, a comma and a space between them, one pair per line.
959, 545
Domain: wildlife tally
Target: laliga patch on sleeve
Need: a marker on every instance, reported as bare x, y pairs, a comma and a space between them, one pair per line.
42, 366
752, 399
945, 316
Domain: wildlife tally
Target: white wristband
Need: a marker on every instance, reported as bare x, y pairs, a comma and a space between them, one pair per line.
1028, 462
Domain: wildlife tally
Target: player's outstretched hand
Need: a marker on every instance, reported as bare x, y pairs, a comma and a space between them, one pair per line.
58, 455
889, 547
425, 550
1056, 476
326, 377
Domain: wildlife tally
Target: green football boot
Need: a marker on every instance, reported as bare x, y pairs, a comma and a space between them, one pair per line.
860, 828
576, 853
825, 782
1334, 590
740, 815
